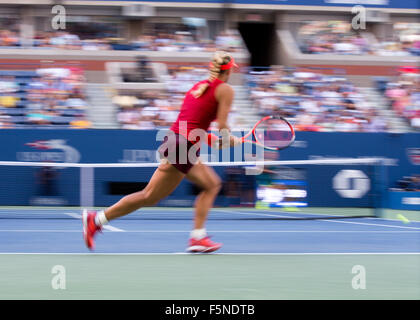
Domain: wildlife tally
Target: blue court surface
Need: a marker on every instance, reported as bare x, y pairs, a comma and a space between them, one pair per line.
262, 258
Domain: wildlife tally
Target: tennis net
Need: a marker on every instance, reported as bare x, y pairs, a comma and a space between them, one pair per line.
262, 190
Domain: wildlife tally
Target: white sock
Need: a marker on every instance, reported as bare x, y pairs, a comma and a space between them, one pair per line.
100, 219
198, 234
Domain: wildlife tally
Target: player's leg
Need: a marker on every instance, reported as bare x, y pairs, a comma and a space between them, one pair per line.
209, 182
163, 182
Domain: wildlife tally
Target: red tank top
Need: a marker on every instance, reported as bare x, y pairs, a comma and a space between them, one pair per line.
198, 112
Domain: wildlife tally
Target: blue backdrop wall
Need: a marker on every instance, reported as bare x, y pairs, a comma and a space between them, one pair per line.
20, 184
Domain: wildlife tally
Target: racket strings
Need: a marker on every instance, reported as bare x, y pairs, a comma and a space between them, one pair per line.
274, 133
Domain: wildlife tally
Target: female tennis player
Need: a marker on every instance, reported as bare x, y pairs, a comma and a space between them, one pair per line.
205, 102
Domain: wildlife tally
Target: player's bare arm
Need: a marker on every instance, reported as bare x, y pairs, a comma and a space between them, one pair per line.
224, 95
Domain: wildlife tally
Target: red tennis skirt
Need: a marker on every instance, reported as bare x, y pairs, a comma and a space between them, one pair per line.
179, 152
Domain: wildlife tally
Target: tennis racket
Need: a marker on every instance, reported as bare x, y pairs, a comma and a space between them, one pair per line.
272, 133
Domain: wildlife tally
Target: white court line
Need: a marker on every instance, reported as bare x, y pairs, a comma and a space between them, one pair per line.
40, 230
106, 227
222, 231
111, 228
318, 214
327, 220
207, 254
74, 215
374, 224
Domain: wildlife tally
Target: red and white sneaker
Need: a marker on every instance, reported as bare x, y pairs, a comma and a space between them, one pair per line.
89, 228
204, 245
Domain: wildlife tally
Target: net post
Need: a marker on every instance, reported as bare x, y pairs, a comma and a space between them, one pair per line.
381, 182
87, 191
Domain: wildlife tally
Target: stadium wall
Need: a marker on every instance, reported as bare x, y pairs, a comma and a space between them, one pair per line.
21, 185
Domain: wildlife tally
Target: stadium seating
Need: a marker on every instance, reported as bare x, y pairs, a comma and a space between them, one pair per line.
175, 42
149, 109
338, 37
404, 97
313, 101
41, 98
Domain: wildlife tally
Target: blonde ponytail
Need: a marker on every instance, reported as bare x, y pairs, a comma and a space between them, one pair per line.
220, 58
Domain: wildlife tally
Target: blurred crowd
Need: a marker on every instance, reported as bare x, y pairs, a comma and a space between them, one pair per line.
404, 96
320, 37
169, 42
405, 41
398, 48
408, 183
185, 41
338, 37
313, 101
45, 97
151, 109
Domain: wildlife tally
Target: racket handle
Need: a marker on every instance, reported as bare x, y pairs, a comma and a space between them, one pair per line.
214, 141
236, 141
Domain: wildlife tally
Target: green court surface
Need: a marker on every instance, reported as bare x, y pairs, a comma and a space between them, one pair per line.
217, 276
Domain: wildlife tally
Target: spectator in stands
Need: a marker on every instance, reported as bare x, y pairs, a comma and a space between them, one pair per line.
163, 41
128, 118
5, 121
409, 183
9, 38
404, 97
229, 41
8, 84
320, 37
415, 48
47, 97
65, 40
337, 37
374, 123
76, 101
149, 116
143, 43
95, 45
404, 41
8, 100
42, 39
35, 100
391, 48
346, 46
80, 123
40, 117
129, 114
416, 182
154, 109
